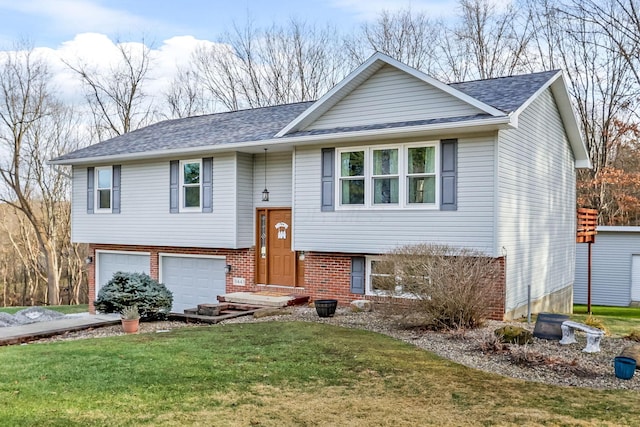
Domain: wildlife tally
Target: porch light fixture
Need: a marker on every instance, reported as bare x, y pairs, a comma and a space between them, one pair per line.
88, 260
265, 192
227, 268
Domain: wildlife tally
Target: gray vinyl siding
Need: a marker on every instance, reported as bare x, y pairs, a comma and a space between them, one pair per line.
244, 199
145, 217
610, 268
279, 180
377, 231
391, 95
536, 204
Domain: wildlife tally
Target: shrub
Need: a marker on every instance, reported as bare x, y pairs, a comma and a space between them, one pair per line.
124, 290
437, 286
634, 335
596, 323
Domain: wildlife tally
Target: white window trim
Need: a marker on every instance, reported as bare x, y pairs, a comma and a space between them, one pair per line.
96, 191
181, 186
369, 289
403, 177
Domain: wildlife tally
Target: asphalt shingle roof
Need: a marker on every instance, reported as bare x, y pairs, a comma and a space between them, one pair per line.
199, 131
506, 94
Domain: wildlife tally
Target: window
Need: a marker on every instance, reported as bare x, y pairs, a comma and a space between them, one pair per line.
104, 183
389, 176
190, 192
383, 276
352, 178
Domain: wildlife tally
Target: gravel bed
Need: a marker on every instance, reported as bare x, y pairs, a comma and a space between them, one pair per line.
548, 361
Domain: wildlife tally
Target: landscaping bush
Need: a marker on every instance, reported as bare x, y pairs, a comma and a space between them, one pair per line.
437, 286
153, 299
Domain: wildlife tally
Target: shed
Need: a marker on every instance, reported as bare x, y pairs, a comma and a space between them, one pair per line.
615, 268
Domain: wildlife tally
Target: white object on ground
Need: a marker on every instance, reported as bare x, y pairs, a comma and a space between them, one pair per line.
594, 335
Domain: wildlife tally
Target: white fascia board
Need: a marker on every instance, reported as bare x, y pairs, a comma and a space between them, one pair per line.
479, 125
370, 66
561, 95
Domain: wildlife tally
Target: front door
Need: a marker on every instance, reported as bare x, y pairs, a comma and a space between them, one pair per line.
276, 261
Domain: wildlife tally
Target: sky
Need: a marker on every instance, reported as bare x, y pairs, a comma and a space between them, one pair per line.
66, 30
50, 23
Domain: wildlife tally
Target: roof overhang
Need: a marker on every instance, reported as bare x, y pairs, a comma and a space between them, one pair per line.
287, 143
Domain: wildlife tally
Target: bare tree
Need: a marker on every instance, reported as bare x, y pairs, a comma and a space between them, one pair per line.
408, 36
185, 96
604, 93
255, 68
487, 42
33, 128
116, 95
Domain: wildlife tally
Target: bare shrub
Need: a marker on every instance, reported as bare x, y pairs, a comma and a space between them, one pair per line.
527, 356
491, 343
436, 286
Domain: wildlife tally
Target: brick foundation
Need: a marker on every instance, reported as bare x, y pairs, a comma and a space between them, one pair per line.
326, 275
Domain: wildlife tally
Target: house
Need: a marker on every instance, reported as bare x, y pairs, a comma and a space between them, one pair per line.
615, 268
389, 156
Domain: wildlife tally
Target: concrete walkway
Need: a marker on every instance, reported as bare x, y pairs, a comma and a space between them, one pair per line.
70, 323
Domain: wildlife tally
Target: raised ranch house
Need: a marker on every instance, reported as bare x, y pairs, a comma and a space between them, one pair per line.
389, 156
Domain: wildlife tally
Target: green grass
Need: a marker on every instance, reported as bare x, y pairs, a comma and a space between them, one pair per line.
64, 309
619, 321
277, 374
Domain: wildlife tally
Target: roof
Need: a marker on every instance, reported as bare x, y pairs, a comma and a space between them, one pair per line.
498, 99
200, 131
506, 93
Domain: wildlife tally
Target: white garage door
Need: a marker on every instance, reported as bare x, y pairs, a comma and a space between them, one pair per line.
193, 280
110, 262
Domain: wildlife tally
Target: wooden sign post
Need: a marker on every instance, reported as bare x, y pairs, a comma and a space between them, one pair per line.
586, 233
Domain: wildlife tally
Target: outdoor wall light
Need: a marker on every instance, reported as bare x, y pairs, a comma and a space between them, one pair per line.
88, 260
265, 192
227, 268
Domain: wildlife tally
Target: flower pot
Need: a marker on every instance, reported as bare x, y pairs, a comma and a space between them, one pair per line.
130, 326
326, 307
624, 367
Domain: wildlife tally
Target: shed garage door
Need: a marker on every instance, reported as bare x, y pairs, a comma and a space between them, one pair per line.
193, 280
109, 263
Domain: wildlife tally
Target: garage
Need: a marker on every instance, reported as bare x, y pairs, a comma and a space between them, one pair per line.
108, 263
192, 279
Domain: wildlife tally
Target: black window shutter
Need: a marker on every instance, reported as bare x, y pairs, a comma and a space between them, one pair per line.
207, 184
449, 176
174, 183
328, 179
90, 188
116, 172
357, 275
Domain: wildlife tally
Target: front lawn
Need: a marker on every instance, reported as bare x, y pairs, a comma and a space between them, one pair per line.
277, 374
620, 321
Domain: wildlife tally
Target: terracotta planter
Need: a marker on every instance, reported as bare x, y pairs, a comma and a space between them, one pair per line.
130, 326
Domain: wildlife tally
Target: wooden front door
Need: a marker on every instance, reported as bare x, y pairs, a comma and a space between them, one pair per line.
276, 261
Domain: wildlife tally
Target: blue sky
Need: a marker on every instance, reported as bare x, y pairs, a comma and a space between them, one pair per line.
49, 23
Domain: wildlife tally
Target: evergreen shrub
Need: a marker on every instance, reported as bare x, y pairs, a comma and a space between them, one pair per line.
124, 290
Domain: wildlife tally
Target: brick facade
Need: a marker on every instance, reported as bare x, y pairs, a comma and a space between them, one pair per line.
327, 275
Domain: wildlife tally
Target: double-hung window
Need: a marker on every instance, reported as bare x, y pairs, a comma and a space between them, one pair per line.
103, 189
190, 185
388, 176
384, 279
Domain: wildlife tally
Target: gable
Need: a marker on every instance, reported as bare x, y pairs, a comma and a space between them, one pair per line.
389, 96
